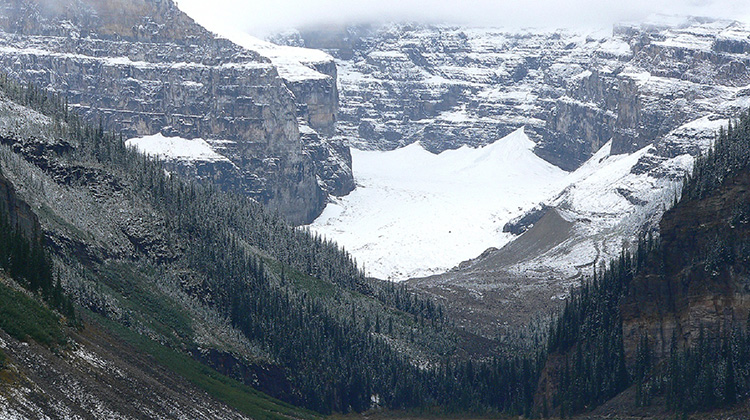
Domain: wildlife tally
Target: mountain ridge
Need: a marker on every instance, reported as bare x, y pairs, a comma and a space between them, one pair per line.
145, 68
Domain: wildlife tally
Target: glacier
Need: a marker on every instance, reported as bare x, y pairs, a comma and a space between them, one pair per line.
415, 213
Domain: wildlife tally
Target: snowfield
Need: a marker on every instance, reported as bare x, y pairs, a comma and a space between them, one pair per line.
415, 213
294, 64
175, 148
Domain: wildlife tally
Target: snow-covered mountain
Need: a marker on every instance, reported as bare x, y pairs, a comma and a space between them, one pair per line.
416, 213
624, 112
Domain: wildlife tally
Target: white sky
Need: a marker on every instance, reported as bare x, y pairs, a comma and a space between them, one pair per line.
260, 17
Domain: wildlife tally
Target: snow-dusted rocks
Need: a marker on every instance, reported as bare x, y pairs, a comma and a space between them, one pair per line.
572, 91
144, 67
311, 77
603, 207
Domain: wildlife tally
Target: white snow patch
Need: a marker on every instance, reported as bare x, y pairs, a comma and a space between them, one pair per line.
610, 204
593, 186
388, 55
704, 124
456, 116
687, 41
306, 129
582, 75
190, 83
640, 76
90, 358
415, 213
175, 148
522, 94
616, 47
294, 64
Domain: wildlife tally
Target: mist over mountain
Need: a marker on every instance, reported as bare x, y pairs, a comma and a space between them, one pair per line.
261, 18
203, 206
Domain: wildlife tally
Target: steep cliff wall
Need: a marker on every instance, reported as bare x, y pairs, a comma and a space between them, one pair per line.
700, 283
18, 211
144, 67
450, 86
311, 77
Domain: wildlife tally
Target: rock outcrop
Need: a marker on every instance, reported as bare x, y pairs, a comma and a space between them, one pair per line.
145, 67
449, 86
700, 285
20, 216
311, 76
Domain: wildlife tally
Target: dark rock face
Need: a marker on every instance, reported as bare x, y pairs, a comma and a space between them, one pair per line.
318, 100
521, 224
693, 292
333, 162
270, 379
144, 67
18, 211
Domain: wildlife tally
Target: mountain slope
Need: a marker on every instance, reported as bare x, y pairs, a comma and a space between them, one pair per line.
145, 68
593, 213
215, 276
55, 363
674, 313
99, 374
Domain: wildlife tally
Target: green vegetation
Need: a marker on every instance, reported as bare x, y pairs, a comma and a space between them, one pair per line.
588, 335
144, 302
24, 318
28, 262
334, 362
712, 372
729, 156
235, 394
343, 340
715, 370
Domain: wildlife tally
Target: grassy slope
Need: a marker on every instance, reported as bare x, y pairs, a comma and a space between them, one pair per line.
235, 394
24, 318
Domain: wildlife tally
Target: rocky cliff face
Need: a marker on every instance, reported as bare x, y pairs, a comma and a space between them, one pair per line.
311, 76
145, 67
701, 285
19, 213
448, 86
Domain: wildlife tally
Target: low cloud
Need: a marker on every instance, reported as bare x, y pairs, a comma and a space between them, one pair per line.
261, 17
